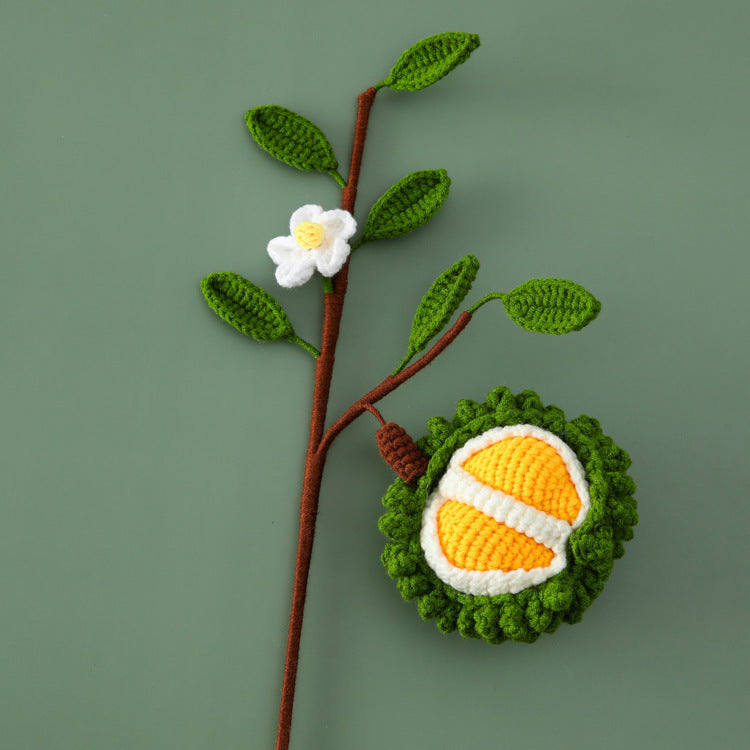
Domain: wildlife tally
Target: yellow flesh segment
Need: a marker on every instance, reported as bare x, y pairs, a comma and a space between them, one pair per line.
473, 541
531, 471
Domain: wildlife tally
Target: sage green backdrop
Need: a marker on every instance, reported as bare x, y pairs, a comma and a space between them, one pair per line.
152, 456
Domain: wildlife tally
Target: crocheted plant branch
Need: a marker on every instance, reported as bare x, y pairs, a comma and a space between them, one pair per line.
488, 507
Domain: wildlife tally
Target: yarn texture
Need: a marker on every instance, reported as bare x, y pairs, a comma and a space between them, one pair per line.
605, 519
400, 452
250, 309
429, 60
551, 306
471, 540
443, 297
521, 492
291, 138
317, 239
247, 307
409, 204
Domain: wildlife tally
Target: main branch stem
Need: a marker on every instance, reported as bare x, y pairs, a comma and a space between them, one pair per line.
320, 441
315, 460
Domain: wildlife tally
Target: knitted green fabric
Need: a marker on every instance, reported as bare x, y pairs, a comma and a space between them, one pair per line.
250, 309
441, 301
591, 549
551, 306
291, 138
429, 60
409, 204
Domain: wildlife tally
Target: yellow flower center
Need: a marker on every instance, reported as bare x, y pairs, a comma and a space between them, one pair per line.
309, 235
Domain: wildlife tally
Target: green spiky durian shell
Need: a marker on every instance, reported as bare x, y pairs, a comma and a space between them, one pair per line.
591, 548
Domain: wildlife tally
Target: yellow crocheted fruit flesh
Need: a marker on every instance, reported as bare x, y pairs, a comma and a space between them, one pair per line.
473, 541
501, 516
531, 471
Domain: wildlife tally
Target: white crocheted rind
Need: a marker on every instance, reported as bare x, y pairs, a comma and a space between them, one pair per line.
459, 485
297, 264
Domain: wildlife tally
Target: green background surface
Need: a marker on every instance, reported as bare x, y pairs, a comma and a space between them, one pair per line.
151, 456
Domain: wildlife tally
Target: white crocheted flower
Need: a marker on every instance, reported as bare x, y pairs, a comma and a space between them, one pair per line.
317, 239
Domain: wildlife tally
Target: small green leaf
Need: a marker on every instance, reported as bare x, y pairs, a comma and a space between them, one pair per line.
247, 307
438, 305
411, 202
429, 60
551, 306
291, 138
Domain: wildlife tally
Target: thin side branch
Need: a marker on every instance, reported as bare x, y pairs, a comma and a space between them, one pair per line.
391, 383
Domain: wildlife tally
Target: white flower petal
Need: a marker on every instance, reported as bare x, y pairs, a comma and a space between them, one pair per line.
310, 212
326, 244
296, 264
281, 248
330, 261
338, 222
295, 272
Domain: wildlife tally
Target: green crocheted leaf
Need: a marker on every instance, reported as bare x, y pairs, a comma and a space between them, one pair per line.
429, 60
411, 202
291, 138
438, 305
247, 307
551, 306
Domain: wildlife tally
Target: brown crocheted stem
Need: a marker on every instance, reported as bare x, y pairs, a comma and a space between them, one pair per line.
314, 465
320, 441
376, 414
364, 103
392, 382
315, 460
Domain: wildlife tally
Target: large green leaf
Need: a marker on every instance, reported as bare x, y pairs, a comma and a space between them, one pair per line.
438, 305
551, 306
291, 138
247, 307
411, 202
429, 60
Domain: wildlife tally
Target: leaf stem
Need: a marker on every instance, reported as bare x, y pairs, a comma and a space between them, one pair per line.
307, 346
376, 414
404, 362
358, 243
485, 300
336, 176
